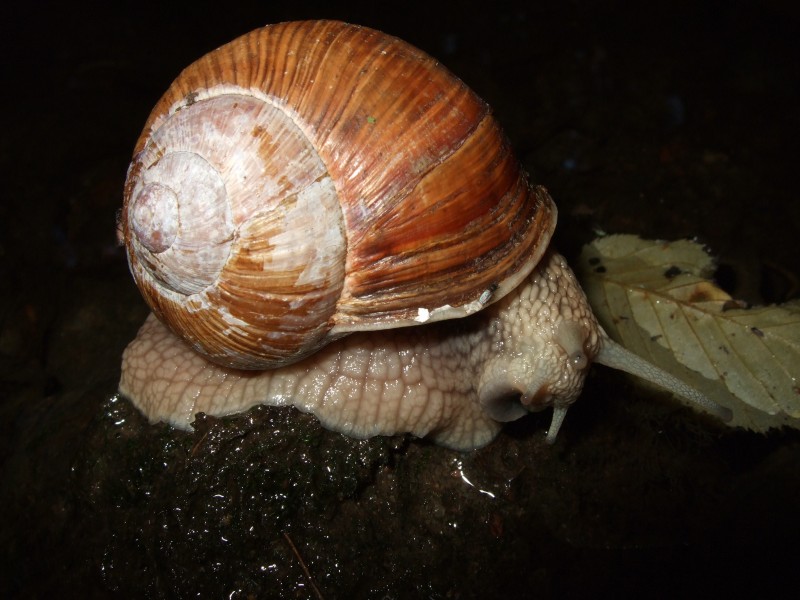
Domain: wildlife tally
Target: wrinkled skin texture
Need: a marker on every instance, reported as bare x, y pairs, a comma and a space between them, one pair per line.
454, 382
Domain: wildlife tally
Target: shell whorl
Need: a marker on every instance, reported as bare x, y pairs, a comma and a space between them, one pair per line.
310, 179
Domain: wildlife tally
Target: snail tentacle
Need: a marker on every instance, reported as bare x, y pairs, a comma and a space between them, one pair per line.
618, 357
559, 414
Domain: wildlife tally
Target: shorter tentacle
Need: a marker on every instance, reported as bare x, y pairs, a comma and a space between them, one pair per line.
559, 413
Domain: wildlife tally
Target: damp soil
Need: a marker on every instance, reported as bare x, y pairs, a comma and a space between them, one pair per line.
670, 120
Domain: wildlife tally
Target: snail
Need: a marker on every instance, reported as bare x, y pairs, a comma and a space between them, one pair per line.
321, 215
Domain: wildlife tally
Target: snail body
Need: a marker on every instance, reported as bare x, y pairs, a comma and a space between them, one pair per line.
454, 381
321, 215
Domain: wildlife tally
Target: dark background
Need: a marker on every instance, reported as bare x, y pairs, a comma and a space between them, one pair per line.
666, 119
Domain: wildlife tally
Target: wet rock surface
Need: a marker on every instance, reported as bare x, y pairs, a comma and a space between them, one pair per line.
671, 121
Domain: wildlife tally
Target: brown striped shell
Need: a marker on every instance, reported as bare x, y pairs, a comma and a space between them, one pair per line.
311, 179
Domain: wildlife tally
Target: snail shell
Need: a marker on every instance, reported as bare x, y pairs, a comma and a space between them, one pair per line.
311, 179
